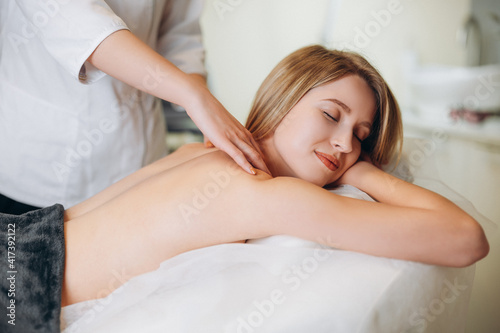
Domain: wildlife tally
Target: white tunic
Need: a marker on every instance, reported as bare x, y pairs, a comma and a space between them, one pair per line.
68, 130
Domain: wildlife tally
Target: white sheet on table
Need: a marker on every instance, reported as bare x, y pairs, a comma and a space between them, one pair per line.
230, 288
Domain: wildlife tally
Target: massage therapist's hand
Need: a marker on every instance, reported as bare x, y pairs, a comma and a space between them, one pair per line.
222, 129
128, 59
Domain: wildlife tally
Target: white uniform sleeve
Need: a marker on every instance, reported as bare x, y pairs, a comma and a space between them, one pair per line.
71, 30
180, 35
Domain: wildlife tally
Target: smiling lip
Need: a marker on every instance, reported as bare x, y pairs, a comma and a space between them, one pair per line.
328, 160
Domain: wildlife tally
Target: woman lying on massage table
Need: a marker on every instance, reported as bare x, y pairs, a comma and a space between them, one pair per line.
321, 117
312, 117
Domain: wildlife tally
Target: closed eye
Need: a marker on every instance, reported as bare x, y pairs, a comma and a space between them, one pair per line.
361, 135
329, 116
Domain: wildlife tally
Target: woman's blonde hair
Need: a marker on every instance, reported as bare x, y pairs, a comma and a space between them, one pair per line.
312, 66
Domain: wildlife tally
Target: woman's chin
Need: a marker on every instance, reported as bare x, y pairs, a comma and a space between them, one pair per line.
321, 181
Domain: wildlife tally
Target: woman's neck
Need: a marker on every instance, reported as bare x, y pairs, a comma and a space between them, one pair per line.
269, 155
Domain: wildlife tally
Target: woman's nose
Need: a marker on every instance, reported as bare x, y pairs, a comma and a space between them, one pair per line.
342, 141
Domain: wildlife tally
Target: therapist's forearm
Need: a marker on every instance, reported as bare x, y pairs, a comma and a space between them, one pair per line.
198, 77
126, 58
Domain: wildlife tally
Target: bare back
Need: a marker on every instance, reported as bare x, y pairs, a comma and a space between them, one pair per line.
175, 205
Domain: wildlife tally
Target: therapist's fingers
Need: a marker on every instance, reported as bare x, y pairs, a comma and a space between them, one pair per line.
240, 159
223, 130
208, 143
257, 158
242, 148
233, 139
251, 151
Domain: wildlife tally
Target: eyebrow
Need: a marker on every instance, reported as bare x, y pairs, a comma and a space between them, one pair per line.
347, 110
340, 103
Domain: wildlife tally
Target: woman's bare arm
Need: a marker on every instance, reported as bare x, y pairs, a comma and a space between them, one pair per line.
408, 223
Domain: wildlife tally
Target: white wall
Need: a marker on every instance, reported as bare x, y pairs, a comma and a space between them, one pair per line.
259, 33
245, 39
386, 30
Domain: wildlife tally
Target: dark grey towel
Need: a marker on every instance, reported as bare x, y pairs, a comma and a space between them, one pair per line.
32, 267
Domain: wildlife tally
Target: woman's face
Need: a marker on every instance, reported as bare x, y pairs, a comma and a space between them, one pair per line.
320, 138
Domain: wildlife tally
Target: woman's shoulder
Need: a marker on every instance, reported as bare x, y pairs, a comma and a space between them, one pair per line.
214, 161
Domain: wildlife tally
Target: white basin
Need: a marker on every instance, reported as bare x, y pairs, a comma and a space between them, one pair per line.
436, 90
